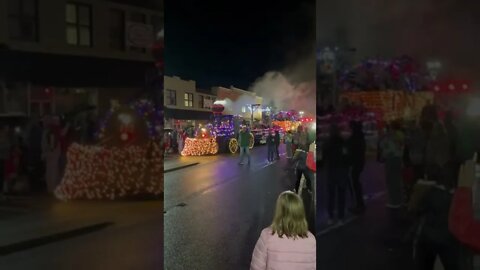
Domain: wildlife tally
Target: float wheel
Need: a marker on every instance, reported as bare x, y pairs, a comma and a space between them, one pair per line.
233, 145
252, 141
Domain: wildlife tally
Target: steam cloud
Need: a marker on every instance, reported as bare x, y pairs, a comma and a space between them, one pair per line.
446, 30
294, 87
235, 106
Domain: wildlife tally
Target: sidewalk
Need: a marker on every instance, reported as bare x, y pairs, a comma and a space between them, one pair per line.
175, 161
31, 218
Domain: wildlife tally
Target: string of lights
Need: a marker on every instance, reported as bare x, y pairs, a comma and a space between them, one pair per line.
95, 172
200, 146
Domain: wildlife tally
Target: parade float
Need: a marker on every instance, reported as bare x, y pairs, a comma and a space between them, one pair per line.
218, 137
204, 143
126, 162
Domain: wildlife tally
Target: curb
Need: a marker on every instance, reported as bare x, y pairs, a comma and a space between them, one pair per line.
45, 240
181, 167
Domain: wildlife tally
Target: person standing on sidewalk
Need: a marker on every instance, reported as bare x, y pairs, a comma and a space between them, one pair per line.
416, 144
296, 139
271, 146
244, 143
180, 141
52, 156
337, 163
288, 144
358, 149
301, 168
392, 151
434, 237
277, 144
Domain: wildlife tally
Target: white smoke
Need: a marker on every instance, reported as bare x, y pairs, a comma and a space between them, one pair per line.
292, 89
239, 105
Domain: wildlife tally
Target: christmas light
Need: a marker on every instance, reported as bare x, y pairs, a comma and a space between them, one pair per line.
224, 126
146, 110
95, 172
287, 125
200, 146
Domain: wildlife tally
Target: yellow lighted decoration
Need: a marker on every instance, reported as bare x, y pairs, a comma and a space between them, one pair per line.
393, 104
287, 125
233, 145
200, 147
251, 142
95, 172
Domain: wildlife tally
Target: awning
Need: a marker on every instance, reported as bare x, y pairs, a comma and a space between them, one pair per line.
187, 114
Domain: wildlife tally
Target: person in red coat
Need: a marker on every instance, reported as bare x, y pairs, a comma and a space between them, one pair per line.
462, 223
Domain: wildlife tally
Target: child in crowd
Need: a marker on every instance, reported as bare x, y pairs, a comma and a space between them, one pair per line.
286, 243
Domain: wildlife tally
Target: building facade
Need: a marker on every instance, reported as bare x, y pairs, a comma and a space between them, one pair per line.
184, 104
61, 52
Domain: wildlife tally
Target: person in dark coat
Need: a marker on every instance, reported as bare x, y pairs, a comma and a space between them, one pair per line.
277, 143
300, 158
337, 163
434, 237
357, 148
271, 146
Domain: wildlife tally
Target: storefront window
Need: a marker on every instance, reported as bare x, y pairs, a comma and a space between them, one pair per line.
14, 99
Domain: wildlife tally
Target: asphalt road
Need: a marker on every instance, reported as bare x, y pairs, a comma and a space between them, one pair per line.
134, 240
216, 210
371, 241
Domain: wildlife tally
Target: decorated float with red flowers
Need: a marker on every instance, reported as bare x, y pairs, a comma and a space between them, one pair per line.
127, 161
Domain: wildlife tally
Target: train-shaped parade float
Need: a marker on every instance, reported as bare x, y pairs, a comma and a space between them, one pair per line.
220, 135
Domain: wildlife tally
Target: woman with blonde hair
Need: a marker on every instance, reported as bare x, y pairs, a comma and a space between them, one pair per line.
286, 244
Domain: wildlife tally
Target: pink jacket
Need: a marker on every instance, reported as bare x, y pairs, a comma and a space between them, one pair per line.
275, 253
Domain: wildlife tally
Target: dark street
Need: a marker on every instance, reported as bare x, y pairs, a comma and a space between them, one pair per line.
217, 209
372, 241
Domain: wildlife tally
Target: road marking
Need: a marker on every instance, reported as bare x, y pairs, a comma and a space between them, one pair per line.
271, 163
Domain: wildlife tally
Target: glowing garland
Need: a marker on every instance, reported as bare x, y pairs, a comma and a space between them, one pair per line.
286, 116
287, 125
200, 147
94, 172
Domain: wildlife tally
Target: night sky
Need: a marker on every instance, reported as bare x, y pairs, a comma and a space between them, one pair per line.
235, 42
447, 30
